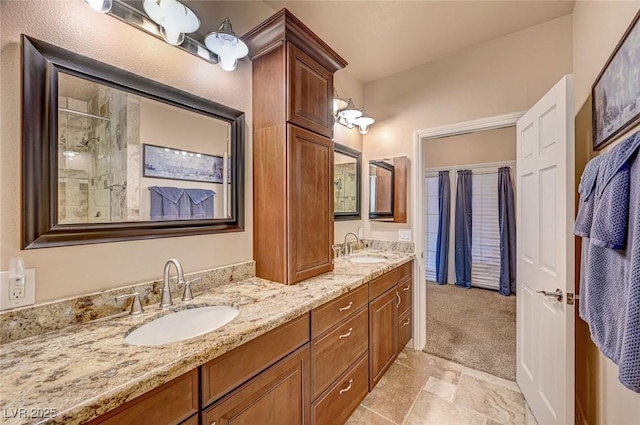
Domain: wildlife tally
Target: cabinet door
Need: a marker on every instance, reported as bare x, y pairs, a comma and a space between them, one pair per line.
383, 334
310, 93
278, 396
310, 204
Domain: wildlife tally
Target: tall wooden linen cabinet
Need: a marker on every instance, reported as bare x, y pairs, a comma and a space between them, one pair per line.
292, 149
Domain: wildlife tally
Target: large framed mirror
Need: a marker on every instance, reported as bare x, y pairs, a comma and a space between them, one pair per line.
347, 171
111, 156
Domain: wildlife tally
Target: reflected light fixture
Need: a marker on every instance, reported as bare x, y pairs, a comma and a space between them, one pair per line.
363, 122
338, 103
102, 6
175, 19
229, 47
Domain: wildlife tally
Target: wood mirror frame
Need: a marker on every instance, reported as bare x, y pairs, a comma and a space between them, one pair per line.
41, 63
345, 150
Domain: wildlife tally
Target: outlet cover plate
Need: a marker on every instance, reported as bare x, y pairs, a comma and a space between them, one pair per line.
29, 290
404, 235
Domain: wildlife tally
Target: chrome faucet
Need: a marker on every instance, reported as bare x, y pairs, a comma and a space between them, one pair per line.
166, 292
347, 249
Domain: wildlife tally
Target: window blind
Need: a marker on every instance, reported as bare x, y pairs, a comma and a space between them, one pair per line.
431, 226
485, 233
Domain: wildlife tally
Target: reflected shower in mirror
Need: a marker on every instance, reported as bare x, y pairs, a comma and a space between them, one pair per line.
346, 182
123, 157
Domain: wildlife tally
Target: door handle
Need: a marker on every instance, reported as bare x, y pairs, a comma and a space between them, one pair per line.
557, 294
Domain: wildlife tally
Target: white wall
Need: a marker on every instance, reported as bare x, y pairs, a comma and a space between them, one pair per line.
63, 272
502, 76
597, 29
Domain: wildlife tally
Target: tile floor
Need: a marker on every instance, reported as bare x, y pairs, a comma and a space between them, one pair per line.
421, 389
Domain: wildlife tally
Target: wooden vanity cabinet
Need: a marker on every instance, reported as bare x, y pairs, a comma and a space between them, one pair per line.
340, 357
390, 316
292, 149
279, 395
171, 404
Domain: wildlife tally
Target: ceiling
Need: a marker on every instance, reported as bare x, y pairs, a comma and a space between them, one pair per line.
380, 38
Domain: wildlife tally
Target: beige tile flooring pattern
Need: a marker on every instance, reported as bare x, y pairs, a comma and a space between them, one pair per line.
421, 389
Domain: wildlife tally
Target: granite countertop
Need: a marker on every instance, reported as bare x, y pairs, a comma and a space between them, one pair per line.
78, 373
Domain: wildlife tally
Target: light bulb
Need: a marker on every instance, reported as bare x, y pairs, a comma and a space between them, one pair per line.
175, 38
364, 129
102, 6
228, 63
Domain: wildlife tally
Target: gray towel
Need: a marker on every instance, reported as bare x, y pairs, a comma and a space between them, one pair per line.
200, 203
166, 202
610, 293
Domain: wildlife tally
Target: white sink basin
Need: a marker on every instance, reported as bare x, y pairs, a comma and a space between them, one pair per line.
366, 259
182, 325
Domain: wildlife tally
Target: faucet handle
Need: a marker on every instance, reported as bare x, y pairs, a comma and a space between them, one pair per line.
136, 306
188, 295
336, 250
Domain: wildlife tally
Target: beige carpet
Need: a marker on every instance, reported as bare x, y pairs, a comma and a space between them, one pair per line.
474, 327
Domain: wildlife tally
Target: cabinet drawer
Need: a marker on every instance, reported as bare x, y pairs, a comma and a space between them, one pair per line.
380, 285
170, 403
327, 315
405, 330
310, 93
338, 402
405, 270
228, 371
278, 396
191, 421
333, 353
405, 290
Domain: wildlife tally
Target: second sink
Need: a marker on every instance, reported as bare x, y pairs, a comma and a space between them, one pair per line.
182, 325
366, 259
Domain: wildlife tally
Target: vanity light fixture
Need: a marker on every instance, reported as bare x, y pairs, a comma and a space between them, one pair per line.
174, 18
346, 114
363, 122
229, 47
70, 154
102, 6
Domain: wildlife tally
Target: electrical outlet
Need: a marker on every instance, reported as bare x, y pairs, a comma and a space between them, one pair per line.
17, 292
404, 235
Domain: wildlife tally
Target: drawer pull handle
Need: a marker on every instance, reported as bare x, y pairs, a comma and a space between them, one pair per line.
347, 334
344, 390
347, 307
407, 322
406, 288
399, 300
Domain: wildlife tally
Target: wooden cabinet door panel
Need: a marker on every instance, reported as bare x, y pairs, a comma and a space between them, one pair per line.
336, 350
336, 404
278, 396
310, 93
383, 335
310, 204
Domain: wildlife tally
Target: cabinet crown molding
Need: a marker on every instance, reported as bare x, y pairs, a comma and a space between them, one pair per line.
283, 27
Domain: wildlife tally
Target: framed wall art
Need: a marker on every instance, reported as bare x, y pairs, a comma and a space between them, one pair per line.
616, 91
176, 164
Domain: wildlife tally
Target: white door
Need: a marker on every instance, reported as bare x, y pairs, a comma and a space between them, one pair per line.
545, 255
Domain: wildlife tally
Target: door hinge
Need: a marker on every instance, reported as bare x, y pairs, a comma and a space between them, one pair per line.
571, 297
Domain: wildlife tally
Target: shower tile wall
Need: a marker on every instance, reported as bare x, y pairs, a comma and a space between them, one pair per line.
132, 158
99, 195
118, 169
73, 176
345, 187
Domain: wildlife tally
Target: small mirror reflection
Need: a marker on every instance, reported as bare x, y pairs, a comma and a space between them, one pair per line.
127, 158
345, 180
381, 181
